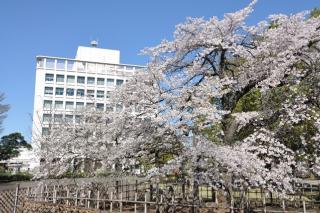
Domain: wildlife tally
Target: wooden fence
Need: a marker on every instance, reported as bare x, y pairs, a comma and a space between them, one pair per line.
10, 200
122, 196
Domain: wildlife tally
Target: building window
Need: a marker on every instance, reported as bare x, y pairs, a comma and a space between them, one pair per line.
49, 77
70, 65
70, 92
90, 80
110, 82
40, 62
46, 118
69, 105
70, 79
60, 78
69, 118
61, 64
108, 94
78, 119
90, 105
45, 131
90, 93
47, 104
100, 81
59, 91
48, 90
100, 106
119, 82
80, 92
100, 94
57, 118
50, 63
80, 80
79, 105
58, 104
81, 66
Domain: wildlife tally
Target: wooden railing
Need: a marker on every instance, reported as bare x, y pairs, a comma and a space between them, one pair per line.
135, 196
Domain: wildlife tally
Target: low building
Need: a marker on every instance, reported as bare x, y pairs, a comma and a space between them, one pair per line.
25, 162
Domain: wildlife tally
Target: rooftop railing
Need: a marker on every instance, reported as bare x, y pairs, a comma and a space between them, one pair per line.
73, 65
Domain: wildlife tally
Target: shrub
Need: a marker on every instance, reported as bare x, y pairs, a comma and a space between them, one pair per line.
21, 176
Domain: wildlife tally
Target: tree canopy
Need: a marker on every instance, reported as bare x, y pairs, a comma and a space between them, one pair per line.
10, 145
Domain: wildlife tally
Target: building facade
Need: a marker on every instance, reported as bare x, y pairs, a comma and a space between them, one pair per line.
64, 85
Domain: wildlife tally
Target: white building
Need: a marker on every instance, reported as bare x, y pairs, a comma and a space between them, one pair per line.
26, 161
64, 85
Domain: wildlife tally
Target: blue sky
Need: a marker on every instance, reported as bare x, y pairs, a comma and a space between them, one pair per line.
56, 28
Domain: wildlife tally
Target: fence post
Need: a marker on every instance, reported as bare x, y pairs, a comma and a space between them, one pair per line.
216, 197
135, 202
304, 206
88, 200
264, 204
145, 203
283, 206
120, 202
98, 197
54, 194
16, 199
161, 203
41, 193
111, 193
46, 197
76, 201
68, 192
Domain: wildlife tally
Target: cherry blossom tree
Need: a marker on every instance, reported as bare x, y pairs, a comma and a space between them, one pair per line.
245, 83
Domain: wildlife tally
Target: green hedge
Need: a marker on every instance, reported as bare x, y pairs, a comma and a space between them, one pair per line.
8, 177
